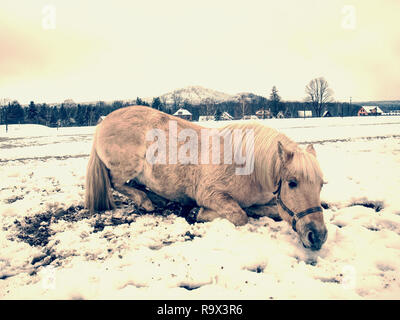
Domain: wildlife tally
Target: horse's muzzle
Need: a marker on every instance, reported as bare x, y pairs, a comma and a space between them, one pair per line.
314, 237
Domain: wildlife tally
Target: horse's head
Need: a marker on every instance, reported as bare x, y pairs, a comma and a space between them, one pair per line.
298, 194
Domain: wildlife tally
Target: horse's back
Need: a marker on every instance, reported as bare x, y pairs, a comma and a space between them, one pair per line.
135, 120
122, 133
121, 144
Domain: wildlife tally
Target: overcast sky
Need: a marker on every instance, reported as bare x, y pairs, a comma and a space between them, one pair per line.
108, 50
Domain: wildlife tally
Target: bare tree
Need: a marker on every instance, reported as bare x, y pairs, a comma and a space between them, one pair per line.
4, 103
243, 99
164, 102
210, 106
318, 94
177, 101
262, 104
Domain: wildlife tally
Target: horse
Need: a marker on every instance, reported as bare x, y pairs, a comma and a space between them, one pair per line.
173, 158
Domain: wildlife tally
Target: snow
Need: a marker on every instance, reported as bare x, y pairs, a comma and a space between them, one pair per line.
146, 256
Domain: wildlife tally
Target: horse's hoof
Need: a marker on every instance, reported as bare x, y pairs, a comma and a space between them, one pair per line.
192, 215
239, 220
148, 206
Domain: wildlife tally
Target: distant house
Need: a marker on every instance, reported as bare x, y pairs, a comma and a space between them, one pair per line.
184, 114
263, 114
392, 113
304, 113
287, 114
101, 118
252, 117
206, 118
326, 114
280, 115
370, 111
226, 116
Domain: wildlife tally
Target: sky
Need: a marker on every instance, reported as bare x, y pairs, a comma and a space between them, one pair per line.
110, 50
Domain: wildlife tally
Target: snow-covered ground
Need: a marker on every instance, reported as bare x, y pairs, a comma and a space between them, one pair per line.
51, 248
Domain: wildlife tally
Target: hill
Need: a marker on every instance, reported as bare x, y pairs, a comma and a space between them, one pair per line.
196, 95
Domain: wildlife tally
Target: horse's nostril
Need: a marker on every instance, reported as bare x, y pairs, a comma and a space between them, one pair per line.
311, 237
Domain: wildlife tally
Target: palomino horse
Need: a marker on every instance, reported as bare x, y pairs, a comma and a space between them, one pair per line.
151, 148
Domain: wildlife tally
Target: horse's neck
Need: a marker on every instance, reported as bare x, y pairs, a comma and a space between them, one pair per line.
267, 168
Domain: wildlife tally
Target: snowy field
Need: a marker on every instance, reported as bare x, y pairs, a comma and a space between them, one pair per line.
50, 248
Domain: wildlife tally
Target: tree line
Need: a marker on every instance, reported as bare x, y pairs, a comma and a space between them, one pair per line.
57, 116
319, 99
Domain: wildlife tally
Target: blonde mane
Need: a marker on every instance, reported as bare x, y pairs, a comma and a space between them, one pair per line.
268, 169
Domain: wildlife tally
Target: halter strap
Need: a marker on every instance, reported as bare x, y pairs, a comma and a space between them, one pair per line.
295, 216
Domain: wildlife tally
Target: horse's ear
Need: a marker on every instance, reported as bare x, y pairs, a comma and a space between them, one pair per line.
285, 155
310, 149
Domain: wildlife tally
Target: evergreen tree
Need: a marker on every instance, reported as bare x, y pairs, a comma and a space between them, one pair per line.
98, 112
15, 113
4, 115
53, 116
80, 115
63, 116
140, 102
156, 104
89, 116
187, 105
43, 114
117, 104
218, 114
274, 101
32, 113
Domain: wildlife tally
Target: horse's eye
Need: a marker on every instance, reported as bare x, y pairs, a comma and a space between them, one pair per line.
292, 184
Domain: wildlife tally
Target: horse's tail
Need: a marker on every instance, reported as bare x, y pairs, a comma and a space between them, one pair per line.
98, 196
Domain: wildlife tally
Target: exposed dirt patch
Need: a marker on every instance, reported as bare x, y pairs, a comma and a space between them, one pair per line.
376, 205
35, 230
13, 199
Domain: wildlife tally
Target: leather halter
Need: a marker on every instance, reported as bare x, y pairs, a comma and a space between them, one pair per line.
295, 216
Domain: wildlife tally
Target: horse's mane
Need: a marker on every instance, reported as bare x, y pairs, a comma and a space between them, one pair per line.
303, 165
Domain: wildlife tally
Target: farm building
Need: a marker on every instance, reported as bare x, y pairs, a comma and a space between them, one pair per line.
206, 118
263, 114
280, 115
326, 114
304, 113
184, 114
392, 113
226, 116
250, 117
370, 111
101, 118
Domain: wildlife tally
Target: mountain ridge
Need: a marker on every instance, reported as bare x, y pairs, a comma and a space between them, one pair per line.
196, 94
199, 94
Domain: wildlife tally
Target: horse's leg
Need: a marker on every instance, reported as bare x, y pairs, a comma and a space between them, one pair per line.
120, 173
139, 197
269, 210
118, 180
154, 198
222, 206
